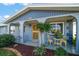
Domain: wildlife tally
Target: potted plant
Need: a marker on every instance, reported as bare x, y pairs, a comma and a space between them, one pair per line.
57, 34
59, 39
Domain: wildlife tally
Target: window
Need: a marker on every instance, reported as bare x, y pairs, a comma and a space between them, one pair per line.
12, 29
35, 28
60, 27
57, 26
35, 35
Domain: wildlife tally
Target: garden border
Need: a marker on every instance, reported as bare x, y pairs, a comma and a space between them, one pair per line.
13, 50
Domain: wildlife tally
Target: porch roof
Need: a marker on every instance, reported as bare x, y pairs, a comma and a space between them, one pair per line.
46, 6
60, 19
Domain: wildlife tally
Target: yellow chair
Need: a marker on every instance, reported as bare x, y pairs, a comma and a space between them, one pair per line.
60, 42
63, 42
50, 41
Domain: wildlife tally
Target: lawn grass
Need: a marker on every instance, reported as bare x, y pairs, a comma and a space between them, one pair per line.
4, 52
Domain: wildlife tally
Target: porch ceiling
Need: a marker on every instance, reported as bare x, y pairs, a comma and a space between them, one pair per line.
31, 22
60, 19
14, 24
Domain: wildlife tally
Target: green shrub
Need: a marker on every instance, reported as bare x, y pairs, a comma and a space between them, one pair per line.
6, 40
40, 51
60, 52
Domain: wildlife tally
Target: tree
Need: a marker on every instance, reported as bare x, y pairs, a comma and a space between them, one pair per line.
43, 27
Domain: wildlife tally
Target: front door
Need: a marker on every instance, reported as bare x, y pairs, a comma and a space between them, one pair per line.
35, 33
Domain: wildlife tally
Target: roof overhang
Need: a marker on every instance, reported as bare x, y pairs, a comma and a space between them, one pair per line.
3, 25
64, 7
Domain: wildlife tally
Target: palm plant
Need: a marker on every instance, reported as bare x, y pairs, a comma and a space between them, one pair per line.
39, 51
43, 27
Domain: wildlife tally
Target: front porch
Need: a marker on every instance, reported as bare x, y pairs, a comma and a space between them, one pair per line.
65, 24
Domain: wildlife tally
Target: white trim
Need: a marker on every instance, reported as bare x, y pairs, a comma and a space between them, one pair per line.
54, 5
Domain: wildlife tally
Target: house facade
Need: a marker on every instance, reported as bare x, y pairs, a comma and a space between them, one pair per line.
23, 24
3, 29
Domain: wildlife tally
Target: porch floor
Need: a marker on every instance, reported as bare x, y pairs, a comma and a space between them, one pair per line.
29, 43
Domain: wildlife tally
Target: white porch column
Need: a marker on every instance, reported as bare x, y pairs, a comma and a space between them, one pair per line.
71, 27
41, 38
77, 34
42, 35
21, 32
65, 28
8, 29
40, 41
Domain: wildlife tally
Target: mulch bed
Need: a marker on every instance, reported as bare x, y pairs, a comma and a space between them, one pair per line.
28, 50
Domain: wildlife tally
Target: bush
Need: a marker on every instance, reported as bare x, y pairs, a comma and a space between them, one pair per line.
60, 52
6, 40
40, 51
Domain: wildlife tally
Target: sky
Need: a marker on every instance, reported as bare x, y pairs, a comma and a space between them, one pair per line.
8, 9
